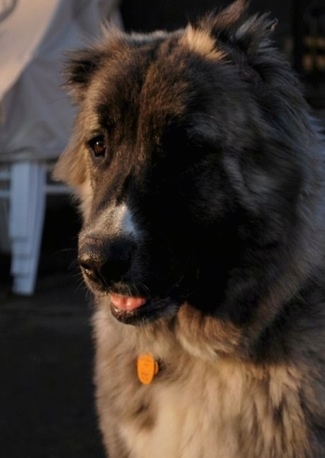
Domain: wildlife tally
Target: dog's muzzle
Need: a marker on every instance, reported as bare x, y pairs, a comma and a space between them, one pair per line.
107, 269
105, 263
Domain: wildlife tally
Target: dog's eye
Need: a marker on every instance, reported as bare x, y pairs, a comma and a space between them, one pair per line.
98, 146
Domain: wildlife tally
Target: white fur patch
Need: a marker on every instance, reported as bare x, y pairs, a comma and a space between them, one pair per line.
112, 221
123, 221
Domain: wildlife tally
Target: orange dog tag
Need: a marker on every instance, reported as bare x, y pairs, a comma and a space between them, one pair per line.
147, 368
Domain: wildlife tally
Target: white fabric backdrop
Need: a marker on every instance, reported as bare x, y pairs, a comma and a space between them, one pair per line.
36, 113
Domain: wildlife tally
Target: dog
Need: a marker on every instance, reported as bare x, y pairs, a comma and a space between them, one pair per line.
200, 175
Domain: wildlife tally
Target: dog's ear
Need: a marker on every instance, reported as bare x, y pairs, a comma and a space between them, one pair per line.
233, 25
227, 19
79, 69
254, 33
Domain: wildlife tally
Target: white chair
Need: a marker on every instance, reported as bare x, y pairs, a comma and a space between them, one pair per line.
36, 116
23, 190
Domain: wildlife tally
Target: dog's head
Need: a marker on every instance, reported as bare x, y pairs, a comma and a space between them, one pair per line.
187, 159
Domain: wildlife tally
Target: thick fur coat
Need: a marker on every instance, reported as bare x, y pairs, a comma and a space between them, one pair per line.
200, 176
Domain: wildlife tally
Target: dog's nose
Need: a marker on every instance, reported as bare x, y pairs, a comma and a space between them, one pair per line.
105, 263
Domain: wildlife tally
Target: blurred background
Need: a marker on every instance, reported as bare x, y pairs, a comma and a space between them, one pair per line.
46, 392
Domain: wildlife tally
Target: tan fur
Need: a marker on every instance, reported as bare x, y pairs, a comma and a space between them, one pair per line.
200, 42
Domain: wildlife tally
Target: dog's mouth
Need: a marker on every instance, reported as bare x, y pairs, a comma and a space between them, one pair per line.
140, 310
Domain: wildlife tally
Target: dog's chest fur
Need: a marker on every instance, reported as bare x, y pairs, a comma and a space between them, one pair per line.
193, 408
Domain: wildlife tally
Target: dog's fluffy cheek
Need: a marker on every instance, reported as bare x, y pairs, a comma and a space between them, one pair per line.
206, 337
71, 167
84, 194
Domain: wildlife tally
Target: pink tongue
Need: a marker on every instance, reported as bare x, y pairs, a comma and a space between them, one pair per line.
127, 303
